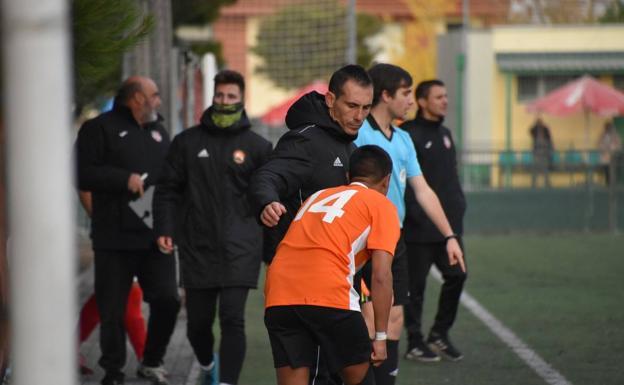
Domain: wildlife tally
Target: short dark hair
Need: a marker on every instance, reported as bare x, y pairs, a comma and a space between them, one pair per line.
127, 90
353, 72
230, 77
423, 88
388, 77
370, 161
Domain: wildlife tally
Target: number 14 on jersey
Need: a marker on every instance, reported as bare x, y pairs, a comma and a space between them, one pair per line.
331, 205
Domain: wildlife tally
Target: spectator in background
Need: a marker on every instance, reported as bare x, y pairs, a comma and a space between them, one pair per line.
542, 151
610, 145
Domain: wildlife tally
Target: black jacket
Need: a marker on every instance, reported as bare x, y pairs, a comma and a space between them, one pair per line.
313, 155
201, 201
109, 148
436, 154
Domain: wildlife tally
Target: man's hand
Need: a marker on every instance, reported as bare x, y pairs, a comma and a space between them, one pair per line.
271, 213
135, 184
455, 253
165, 244
379, 354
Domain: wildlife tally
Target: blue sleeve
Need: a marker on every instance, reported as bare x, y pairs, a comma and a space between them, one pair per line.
413, 167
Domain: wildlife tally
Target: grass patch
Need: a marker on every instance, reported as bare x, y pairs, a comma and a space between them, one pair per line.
562, 295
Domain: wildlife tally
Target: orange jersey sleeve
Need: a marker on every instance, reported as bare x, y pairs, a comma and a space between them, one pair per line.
327, 243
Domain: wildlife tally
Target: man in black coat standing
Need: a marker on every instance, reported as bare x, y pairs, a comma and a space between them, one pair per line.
120, 154
425, 244
201, 204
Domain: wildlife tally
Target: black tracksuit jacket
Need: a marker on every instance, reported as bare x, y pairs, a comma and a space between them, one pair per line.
108, 149
313, 155
201, 201
436, 154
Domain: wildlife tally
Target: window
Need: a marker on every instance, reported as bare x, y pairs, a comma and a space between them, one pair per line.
531, 87
552, 82
527, 88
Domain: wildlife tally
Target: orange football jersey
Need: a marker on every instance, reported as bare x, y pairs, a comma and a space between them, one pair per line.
329, 240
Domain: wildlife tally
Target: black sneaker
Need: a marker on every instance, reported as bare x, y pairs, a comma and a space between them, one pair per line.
420, 352
442, 346
113, 379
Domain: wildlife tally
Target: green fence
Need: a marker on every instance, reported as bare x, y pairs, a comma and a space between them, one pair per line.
542, 211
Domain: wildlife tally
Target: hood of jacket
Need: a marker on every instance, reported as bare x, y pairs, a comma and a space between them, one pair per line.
241, 125
311, 109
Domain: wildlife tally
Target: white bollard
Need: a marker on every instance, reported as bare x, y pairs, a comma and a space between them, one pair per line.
42, 258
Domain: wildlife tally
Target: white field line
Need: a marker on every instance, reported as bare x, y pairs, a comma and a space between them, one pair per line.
526, 354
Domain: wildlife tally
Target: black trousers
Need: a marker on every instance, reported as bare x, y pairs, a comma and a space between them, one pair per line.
420, 258
114, 273
201, 309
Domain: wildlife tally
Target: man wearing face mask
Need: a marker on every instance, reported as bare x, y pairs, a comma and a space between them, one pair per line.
120, 154
201, 205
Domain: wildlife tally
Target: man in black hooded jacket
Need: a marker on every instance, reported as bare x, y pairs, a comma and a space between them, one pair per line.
314, 154
206, 176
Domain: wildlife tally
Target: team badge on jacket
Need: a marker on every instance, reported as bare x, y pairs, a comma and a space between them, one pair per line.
447, 141
239, 156
156, 136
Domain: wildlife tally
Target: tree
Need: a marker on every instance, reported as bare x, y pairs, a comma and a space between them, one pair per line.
557, 11
199, 13
305, 42
614, 13
367, 25
103, 30
196, 12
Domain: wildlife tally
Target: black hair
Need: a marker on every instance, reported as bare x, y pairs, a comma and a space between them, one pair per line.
388, 77
371, 162
353, 72
127, 91
423, 88
230, 77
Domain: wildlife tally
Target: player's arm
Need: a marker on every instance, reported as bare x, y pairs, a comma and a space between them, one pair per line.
430, 203
381, 292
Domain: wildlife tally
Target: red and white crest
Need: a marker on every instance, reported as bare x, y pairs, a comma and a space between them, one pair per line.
239, 156
156, 136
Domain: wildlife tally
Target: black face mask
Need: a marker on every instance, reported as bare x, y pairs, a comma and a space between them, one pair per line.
226, 115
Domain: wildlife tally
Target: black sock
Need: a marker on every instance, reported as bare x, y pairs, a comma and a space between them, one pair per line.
386, 373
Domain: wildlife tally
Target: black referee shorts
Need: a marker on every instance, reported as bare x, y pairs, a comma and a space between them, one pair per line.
296, 331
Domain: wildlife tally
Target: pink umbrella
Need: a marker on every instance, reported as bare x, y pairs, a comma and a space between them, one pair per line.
276, 115
583, 94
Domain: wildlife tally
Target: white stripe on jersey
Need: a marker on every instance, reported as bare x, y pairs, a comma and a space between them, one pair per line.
358, 245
